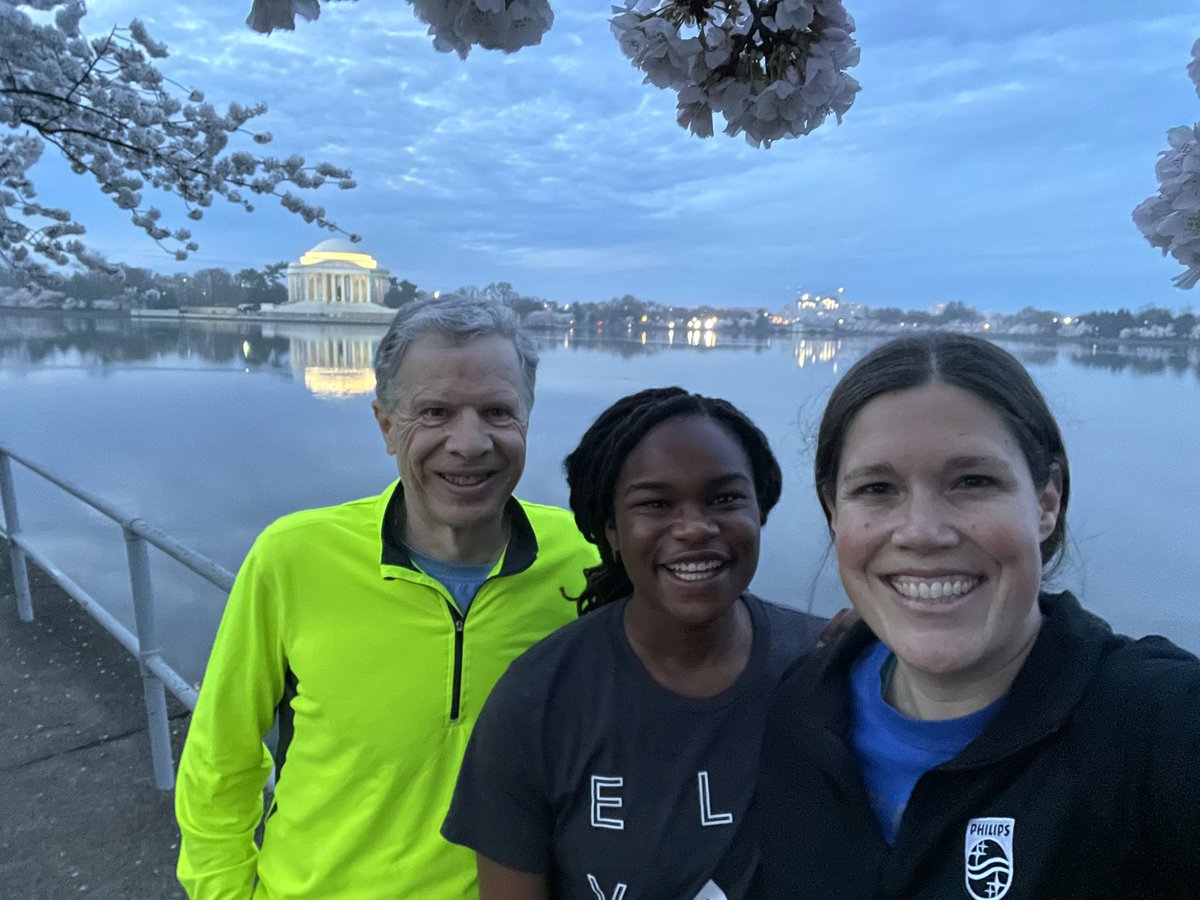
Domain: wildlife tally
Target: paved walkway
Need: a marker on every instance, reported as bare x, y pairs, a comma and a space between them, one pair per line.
79, 813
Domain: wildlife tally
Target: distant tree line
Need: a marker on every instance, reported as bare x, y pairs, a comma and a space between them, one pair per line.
132, 287
505, 293
1098, 323
947, 314
629, 310
1107, 323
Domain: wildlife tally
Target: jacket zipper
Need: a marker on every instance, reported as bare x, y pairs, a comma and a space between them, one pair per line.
459, 622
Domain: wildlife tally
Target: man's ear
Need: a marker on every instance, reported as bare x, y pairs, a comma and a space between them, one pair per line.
384, 420
1050, 502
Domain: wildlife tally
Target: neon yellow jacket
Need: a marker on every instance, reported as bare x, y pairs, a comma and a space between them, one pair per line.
378, 680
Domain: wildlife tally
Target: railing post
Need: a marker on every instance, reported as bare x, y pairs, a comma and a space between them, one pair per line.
155, 695
12, 526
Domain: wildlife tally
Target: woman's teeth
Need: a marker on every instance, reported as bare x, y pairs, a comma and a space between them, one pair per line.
933, 589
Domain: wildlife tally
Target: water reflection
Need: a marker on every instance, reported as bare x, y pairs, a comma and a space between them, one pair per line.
838, 354
332, 361
337, 360
1034, 356
814, 352
98, 342
211, 429
638, 342
1141, 359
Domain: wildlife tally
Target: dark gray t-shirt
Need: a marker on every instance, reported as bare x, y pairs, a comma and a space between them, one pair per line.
582, 766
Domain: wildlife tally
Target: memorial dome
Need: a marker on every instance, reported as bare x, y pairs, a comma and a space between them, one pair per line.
335, 278
338, 250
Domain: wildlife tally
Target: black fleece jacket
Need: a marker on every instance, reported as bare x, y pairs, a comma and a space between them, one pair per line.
1086, 784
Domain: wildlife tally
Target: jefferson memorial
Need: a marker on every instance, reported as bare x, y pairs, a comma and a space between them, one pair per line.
335, 278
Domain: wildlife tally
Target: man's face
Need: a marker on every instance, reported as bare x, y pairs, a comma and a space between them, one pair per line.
457, 431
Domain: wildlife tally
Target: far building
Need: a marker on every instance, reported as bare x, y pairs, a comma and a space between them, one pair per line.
335, 278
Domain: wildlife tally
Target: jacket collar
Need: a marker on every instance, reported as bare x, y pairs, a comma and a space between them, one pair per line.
815, 695
519, 553
1070, 647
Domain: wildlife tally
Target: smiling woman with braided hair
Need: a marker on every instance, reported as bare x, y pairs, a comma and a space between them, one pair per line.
595, 466
614, 758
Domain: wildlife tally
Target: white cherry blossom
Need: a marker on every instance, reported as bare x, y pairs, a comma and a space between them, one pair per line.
1170, 220
773, 69
268, 15
508, 25
103, 106
790, 56
1194, 66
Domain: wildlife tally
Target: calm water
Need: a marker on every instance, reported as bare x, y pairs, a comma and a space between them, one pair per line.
210, 431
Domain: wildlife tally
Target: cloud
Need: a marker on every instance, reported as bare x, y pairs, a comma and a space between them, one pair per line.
1021, 132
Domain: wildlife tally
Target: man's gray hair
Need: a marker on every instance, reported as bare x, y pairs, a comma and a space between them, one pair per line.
455, 319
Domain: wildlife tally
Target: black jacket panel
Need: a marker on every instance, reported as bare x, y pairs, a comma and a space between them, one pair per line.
1086, 783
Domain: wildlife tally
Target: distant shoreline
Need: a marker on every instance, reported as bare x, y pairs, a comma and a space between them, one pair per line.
583, 335
170, 315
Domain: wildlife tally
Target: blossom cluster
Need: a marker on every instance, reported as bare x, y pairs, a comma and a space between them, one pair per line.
772, 68
1194, 66
1170, 220
456, 25
506, 25
106, 108
267, 15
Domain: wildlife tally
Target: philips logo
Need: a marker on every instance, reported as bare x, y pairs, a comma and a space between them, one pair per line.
988, 858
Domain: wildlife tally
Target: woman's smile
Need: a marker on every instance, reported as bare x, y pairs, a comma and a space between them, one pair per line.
938, 526
696, 570
686, 522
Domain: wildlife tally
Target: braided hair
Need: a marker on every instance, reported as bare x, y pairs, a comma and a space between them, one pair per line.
594, 466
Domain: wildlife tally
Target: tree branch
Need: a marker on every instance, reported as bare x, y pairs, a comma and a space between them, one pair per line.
92, 65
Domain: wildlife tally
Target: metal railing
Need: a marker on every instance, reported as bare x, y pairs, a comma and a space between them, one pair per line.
157, 674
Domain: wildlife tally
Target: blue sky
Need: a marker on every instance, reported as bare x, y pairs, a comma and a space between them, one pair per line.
993, 156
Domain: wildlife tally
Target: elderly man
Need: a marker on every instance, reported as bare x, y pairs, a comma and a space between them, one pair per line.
375, 630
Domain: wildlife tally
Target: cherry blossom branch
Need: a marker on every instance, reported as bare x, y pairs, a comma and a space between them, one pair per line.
1170, 220
111, 114
774, 70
